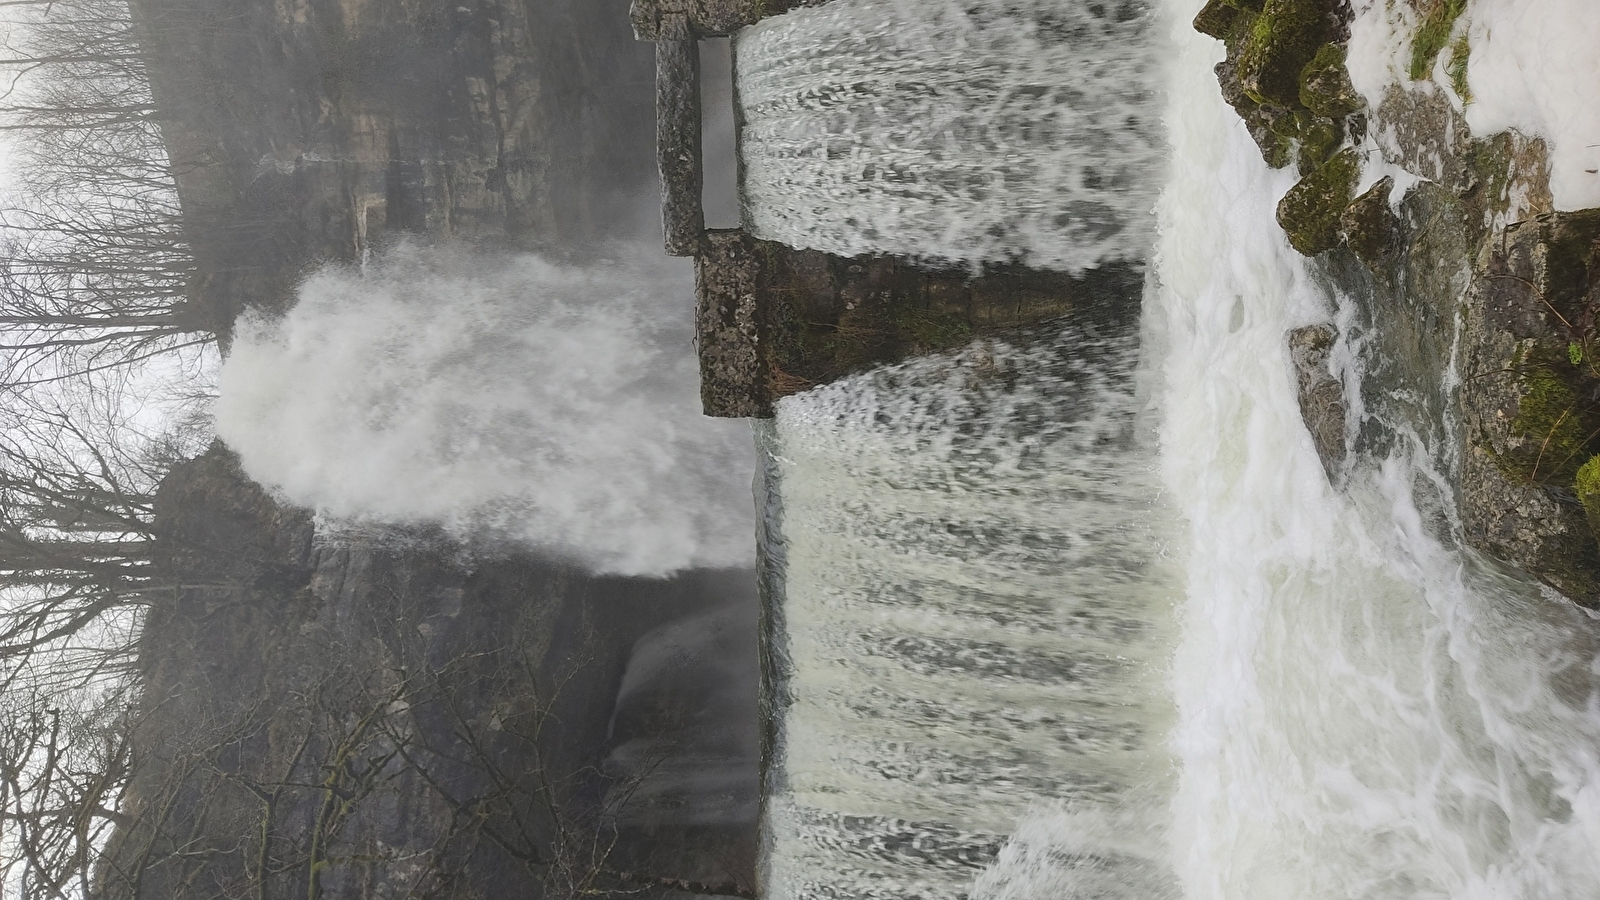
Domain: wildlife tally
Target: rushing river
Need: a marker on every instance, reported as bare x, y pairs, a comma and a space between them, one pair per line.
1080, 615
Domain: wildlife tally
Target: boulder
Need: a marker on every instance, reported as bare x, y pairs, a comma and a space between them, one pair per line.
1322, 403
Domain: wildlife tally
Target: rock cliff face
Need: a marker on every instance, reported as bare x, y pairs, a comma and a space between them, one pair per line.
1475, 275
305, 131
365, 721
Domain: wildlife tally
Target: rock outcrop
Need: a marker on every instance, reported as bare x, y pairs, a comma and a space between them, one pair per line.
395, 720
1474, 244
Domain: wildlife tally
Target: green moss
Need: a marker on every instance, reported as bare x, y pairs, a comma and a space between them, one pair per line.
928, 330
1325, 86
1457, 69
1552, 423
1433, 34
1281, 42
1216, 19
1586, 484
1309, 212
1319, 138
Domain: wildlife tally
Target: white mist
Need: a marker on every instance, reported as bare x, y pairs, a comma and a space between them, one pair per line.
508, 398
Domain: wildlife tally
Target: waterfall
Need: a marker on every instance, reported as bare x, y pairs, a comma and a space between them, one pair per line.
977, 608
860, 135
1365, 709
1025, 656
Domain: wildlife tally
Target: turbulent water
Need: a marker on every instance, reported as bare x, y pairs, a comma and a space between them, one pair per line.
1020, 665
977, 611
1043, 144
506, 399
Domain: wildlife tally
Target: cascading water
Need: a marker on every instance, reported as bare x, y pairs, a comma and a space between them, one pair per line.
1365, 709
976, 606
982, 634
861, 134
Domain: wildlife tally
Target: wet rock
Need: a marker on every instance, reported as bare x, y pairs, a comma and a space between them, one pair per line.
1266, 123
1325, 86
1309, 213
1282, 40
1322, 403
1419, 131
1216, 19
1371, 229
1319, 138
1530, 400
774, 321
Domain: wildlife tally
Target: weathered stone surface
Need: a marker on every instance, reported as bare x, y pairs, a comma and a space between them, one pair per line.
1309, 212
1216, 19
1371, 229
678, 138
1325, 86
1419, 131
1266, 123
775, 321
706, 18
1322, 403
733, 380
1528, 400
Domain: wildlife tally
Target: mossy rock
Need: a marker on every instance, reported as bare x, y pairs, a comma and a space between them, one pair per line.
1273, 128
1586, 484
1371, 229
1216, 19
1281, 42
1554, 424
1325, 86
1309, 212
1319, 138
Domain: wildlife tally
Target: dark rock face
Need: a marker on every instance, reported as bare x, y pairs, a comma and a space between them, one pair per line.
343, 721
1322, 403
311, 131
1530, 400
684, 752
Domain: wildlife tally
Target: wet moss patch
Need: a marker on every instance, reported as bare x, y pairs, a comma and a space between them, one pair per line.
1438, 20
1309, 213
1325, 86
1281, 41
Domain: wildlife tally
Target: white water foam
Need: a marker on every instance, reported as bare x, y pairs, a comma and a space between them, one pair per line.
505, 398
955, 132
976, 610
1364, 710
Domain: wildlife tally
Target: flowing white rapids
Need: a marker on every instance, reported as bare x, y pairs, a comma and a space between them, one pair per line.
977, 608
964, 132
1365, 710
989, 692
507, 398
